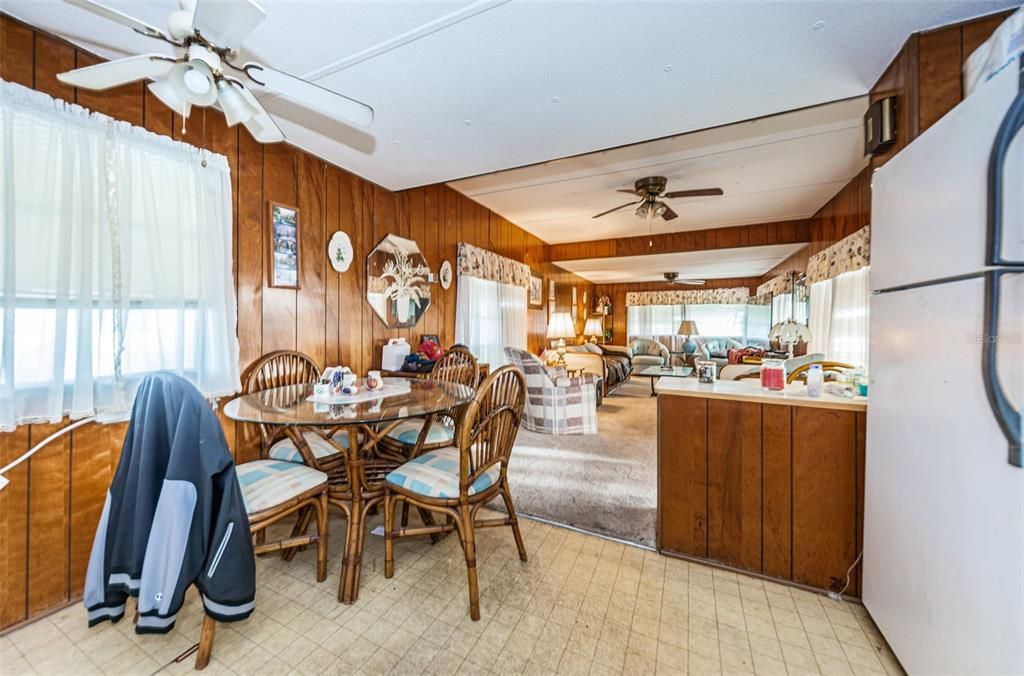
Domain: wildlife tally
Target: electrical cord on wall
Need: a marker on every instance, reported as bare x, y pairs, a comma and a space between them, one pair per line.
838, 595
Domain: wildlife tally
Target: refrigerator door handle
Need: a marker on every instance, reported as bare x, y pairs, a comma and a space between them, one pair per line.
1009, 418
1009, 128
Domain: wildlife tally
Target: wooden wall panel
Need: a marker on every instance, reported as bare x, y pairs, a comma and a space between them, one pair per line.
824, 495
48, 515
682, 476
776, 431
734, 482
14, 531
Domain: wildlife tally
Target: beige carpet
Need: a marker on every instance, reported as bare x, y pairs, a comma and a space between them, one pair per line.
604, 483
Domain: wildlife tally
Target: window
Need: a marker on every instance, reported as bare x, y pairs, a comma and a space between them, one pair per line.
489, 317
839, 315
663, 320
115, 261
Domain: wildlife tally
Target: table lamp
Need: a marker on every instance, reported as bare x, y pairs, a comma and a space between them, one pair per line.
688, 328
594, 327
561, 327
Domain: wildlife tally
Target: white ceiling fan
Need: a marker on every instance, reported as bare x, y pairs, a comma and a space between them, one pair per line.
207, 35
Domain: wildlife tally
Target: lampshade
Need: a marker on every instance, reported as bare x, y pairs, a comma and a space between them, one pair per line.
168, 95
193, 82
561, 326
790, 331
688, 327
236, 108
594, 326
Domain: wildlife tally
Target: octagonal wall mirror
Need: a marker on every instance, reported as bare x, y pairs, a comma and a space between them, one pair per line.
397, 282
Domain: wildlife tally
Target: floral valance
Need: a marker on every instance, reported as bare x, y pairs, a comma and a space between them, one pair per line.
738, 294
847, 255
477, 262
777, 285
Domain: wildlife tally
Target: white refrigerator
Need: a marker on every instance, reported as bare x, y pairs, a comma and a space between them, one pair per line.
944, 487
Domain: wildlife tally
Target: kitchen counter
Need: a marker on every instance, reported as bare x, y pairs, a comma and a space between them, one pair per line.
750, 390
769, 482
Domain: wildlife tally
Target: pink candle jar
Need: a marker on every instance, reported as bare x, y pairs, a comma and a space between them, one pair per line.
773, 375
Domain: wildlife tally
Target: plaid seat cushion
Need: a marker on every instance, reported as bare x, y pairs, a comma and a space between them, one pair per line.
436, 475
285, 449
266, 483
408, 431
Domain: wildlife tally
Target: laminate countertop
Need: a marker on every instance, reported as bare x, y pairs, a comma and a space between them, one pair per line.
751, 390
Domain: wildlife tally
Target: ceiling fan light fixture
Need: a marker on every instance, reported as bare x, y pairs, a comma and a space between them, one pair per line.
168, 95
236, 108
193, 82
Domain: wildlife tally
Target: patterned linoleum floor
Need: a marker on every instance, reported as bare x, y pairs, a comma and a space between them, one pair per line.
581, 605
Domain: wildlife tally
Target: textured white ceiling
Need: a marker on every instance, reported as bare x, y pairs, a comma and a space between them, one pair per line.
752, 261
775, 168
622, 72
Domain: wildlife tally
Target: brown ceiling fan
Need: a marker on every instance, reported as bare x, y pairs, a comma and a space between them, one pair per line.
673, 278
651, 191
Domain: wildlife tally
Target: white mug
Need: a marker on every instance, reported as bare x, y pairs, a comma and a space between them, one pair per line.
374, 381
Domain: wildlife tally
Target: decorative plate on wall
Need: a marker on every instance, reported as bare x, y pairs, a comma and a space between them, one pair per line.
339, 251
446, 274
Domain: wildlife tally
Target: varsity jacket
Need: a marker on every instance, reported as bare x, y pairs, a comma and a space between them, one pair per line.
173, 516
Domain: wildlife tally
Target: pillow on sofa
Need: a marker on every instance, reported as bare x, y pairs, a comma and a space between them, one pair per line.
592, 347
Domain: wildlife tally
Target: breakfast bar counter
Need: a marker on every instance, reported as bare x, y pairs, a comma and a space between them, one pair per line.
768, 482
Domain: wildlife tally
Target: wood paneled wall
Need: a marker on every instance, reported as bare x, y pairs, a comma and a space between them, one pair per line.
617, 293
926, 76
846, 213
756, 234
49, 512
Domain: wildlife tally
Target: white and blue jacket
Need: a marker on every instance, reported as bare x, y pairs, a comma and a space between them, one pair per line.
173, 516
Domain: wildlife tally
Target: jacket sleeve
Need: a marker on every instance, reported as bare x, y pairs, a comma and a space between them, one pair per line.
102, 601
227, 580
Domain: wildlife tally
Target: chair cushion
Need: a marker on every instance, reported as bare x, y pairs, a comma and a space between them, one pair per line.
285, 449
436, 475
642, 360
266, 483
408, 431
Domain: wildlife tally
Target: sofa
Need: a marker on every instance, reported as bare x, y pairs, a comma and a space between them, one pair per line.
611, 363
648, 352
716, 349
556, 403
740, 371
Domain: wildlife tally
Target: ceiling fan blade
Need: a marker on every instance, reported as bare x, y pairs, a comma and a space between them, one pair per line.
706, 192
668, 214
627, 191
119, 72
691, 282
621, 206
119, 17
310, 95
227, 23
261, 126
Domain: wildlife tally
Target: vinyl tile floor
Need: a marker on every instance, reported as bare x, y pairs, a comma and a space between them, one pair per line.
581, 605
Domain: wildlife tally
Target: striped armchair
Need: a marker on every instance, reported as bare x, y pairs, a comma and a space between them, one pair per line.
556, 403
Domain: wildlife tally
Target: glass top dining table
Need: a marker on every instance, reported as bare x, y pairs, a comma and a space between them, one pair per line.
290, 405
357, 472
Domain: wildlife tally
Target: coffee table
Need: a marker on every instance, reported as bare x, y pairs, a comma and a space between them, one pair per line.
656, 372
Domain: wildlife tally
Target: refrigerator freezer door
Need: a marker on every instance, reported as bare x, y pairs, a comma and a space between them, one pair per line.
944, 511
928, 209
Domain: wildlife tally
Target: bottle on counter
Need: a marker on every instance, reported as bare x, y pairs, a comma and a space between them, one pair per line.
815, 380
860, 381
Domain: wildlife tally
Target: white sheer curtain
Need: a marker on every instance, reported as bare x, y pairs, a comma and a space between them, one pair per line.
718, 319
115, 261
645, 321
848, 330
820, 317
490, 316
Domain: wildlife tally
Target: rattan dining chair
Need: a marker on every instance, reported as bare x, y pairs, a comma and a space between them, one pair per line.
457, 365
458, 481
273, 490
